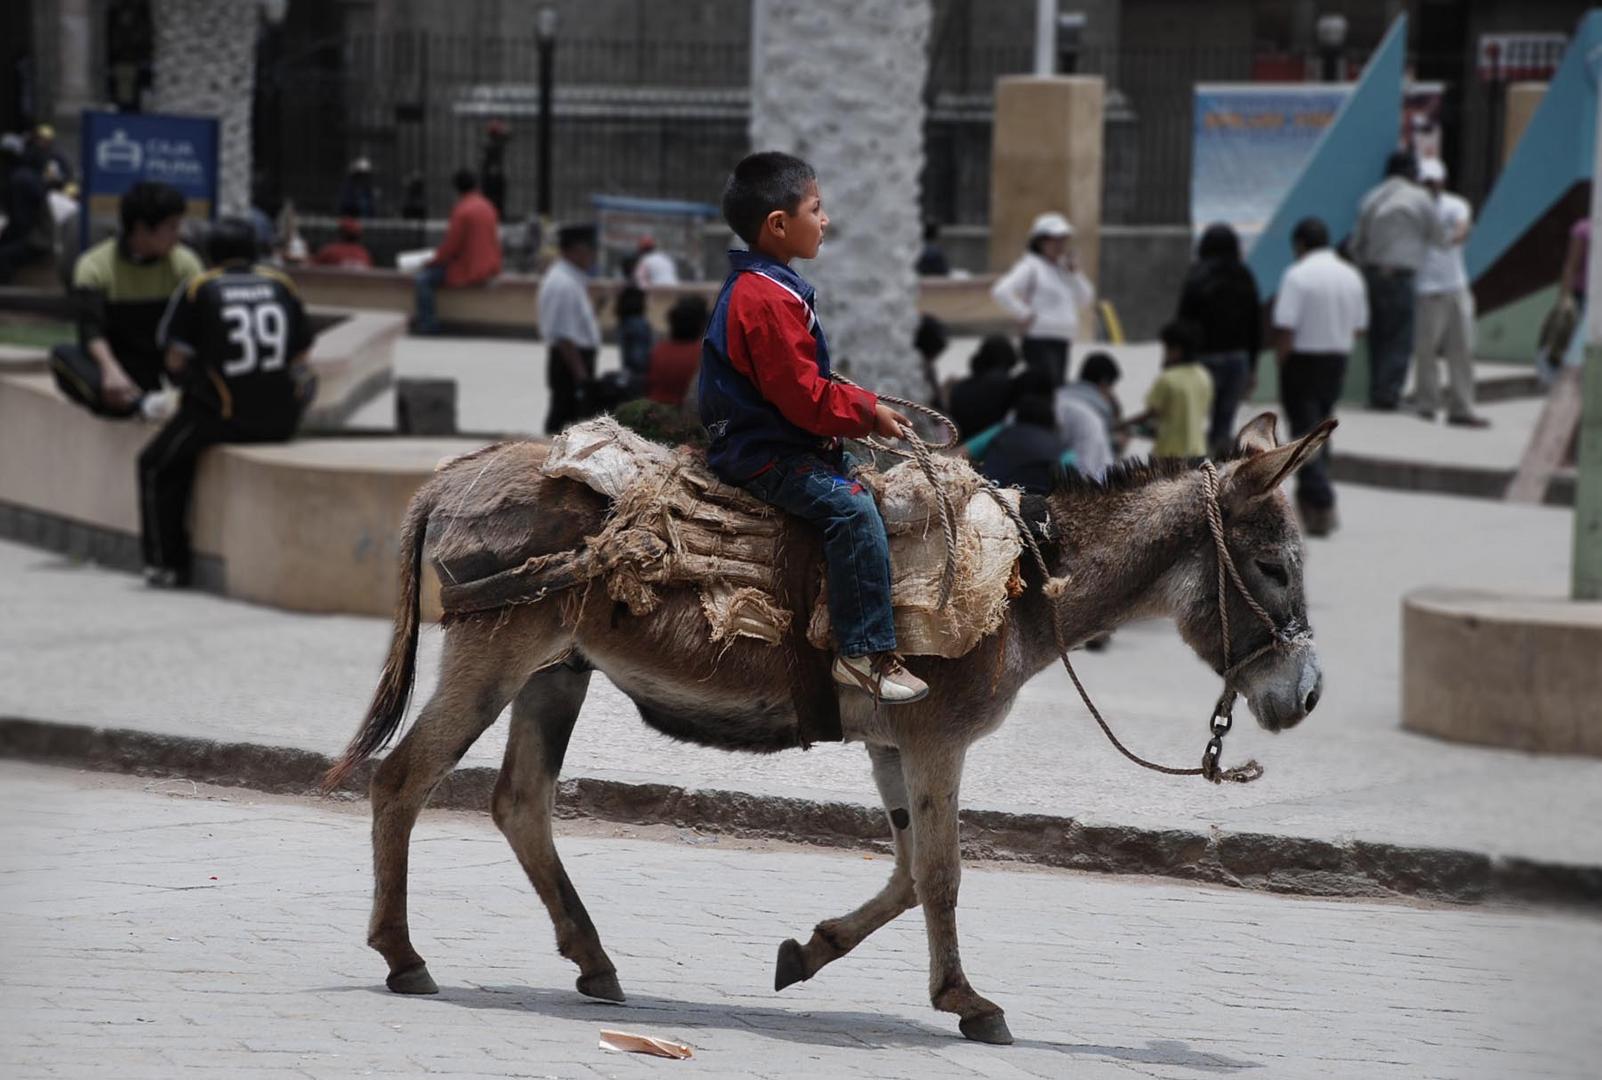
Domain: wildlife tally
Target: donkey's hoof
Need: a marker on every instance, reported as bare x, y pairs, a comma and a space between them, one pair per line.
792, 965
603, 985
986, 1028
414, 980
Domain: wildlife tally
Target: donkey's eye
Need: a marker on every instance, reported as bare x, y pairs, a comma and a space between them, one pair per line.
1273, 572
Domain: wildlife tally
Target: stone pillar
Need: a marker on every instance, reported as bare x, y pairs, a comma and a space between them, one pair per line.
1587, 581
840, 83
73, 83
205, 65
1045, 154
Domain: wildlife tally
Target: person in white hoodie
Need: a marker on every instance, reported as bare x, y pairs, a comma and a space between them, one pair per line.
1045, 291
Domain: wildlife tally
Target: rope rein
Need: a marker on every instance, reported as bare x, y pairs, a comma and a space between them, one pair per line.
1223, 712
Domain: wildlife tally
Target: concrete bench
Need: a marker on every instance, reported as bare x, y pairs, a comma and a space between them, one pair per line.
311, 525
510, 303
1510, 671
353, 358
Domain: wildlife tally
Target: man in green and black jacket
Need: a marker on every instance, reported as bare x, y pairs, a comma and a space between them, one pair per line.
121, 287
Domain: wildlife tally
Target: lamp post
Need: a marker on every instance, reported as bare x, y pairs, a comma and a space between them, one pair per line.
545, 38
1331, 33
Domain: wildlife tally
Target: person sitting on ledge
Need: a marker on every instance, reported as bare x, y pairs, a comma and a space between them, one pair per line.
470, 254
236, 340
120, 288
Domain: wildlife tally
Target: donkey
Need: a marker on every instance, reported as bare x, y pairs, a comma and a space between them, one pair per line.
1133, 545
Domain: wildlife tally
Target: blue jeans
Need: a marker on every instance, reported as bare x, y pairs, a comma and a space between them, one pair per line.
1230, 371
429, 280
855, 548
1390, 333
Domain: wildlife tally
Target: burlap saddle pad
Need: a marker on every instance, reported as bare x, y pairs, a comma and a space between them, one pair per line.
675, 524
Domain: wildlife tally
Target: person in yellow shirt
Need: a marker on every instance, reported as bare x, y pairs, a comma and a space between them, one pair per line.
1180, 401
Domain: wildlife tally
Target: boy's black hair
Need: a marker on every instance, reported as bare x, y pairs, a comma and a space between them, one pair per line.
1033, 382
232, 239
687, 319
995, 353
630, 301
1100, 369
149, 203
930, 339
761, 183
1035, 409
465, 180
1310, 234
1183, 335
569, 237
1401, 163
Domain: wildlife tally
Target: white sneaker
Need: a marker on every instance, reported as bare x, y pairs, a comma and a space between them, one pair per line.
881, 676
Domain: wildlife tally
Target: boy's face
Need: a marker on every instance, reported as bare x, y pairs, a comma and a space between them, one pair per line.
798, 235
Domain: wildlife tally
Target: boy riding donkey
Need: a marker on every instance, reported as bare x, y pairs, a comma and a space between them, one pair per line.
776, 417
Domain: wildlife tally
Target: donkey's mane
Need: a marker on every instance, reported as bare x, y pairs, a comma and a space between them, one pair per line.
1129, 474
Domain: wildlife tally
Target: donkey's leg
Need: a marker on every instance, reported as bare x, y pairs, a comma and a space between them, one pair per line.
474, 685
543, 713
934, 775
833, 938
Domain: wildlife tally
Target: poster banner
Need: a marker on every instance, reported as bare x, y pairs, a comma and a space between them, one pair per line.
1251, 142
121, 149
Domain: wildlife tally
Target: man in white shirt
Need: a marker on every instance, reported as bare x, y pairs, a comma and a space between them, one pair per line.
1445, 313
1320, 309
655, 266
568, 326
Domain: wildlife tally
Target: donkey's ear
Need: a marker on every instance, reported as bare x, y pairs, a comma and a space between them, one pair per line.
1257, 437
1262, 473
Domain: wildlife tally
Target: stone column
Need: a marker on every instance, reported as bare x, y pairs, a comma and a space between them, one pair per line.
74, 86
840, 83
205, 65
1046, 154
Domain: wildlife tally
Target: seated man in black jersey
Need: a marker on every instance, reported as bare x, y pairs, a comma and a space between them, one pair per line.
236, 340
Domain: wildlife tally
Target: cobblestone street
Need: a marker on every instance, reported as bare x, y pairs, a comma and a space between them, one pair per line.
160, 929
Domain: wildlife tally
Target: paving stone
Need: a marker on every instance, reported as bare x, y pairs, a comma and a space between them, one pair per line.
1103, 977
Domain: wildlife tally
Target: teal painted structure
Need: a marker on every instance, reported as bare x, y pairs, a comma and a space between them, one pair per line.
1348, 161
1554, 154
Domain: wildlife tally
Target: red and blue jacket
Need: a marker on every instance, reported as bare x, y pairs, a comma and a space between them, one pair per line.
765, 389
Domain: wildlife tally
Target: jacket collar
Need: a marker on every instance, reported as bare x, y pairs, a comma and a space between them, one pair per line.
741, 260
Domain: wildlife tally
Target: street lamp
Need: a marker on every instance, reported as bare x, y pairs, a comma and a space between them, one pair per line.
545, 38
1331, 33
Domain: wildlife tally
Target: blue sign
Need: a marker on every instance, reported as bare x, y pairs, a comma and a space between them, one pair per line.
121, 149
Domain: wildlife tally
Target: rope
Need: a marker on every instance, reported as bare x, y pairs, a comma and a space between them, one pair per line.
923, 454
1223, 710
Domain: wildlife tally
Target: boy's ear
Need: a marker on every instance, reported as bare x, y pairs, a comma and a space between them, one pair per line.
774, 223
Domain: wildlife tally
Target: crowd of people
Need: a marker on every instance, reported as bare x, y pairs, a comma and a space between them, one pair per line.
217, 355
38, 194
1400, 279
234, 338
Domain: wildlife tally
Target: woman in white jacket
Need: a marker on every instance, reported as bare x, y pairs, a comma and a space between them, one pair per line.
1044, 290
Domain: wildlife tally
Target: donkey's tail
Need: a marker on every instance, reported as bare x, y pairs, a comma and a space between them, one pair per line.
394, 691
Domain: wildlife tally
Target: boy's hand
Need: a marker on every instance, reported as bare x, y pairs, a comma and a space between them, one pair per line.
889, 423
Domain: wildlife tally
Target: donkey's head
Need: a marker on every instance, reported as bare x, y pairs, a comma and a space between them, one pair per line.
1283, 683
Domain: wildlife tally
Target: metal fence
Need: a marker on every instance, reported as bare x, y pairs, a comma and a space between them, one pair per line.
665, 119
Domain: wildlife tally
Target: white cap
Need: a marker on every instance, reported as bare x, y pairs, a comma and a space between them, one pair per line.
1431, 171
1050, 223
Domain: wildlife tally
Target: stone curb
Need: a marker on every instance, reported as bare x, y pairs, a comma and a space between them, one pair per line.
1243, 860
